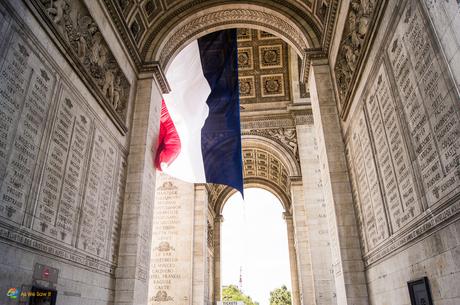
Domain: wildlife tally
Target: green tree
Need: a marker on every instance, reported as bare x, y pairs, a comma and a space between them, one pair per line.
232, 293
280, 296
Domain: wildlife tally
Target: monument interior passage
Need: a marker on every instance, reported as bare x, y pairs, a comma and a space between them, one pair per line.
350, 116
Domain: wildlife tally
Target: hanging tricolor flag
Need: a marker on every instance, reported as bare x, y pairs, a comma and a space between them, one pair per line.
200, 136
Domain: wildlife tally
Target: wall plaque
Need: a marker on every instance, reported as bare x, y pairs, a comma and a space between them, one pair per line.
419, 292
26, 87
171, 253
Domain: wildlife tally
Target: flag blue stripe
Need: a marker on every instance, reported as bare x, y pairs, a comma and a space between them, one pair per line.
221, 134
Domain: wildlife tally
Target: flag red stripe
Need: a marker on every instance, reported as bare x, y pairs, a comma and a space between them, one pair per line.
168, 146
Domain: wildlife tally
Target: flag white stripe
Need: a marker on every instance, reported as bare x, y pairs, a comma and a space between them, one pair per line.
187, 107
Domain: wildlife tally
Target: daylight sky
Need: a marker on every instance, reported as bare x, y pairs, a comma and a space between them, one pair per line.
254, 237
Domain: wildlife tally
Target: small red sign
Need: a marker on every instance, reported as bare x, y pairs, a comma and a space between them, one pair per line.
46, 273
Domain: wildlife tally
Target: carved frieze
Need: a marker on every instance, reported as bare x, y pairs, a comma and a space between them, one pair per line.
285, 136
355, 37
214, 191
268, 123
82, 42
210, 235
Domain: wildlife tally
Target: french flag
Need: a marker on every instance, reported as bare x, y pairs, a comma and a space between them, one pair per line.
200, 136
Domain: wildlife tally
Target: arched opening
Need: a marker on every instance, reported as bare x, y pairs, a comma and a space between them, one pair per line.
254, 241
270, 160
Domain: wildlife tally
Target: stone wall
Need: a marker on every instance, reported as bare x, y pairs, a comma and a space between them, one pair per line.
403, 151
62, 162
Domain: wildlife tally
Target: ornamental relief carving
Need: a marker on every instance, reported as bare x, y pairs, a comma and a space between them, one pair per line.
354, 38
228, 16
81, 38
287, 137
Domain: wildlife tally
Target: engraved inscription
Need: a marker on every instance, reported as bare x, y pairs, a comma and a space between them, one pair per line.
60, 196
25, 94
170, 265
117, 210
393, 158
431, 112
356, 200
96, 210
368, 184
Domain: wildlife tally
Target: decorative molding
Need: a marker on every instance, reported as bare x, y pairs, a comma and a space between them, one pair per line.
158, 74
329, 24
258, 163
286, 137
267, 123
201, 23
429, 223
306, 119
37, 242
81, 42
118, 18
302, 14
210, 235
119, 10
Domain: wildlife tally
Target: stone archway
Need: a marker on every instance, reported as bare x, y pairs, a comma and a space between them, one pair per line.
329, 165
224, 16
312, 268
268, 166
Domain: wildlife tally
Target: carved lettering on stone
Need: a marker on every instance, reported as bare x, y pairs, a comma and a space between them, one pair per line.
392, 155
431, 111
117, 209
358, 206
171, 253
370, 195
25, 96
45, 145
60, 195
97, 204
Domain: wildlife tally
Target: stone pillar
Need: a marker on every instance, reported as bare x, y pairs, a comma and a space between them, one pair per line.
200, 244
292, 259
315, 212
305, 274
217, 271
131, 287
350, 281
